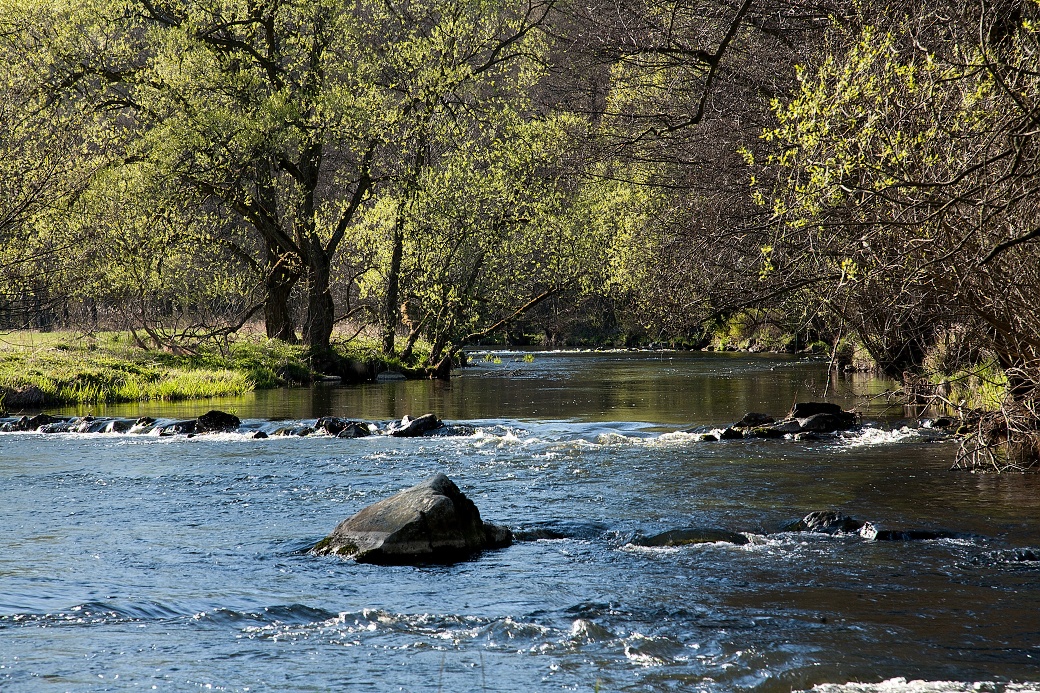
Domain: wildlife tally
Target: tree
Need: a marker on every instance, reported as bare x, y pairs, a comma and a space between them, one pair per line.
670, 91
909, 168
459, 70
289, 115
44, 165
174, 274
489, 237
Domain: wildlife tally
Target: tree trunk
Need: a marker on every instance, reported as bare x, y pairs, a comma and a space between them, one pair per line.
413, 337
278, 286
390, 317
321, 310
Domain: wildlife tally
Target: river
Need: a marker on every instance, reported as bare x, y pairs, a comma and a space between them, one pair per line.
175, 563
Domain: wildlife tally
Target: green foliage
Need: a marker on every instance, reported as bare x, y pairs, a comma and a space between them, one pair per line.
851, 354
241, 139
466, 230
867, 121
891, 187
483, 230
753, 330
45, 158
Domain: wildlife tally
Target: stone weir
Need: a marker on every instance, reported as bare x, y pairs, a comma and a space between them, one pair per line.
222, 422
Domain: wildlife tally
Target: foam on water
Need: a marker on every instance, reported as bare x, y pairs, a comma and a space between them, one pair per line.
871, 436
502, 436
901, 685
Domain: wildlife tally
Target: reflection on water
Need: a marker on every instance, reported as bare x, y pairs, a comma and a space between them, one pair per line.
139, 561
661, 387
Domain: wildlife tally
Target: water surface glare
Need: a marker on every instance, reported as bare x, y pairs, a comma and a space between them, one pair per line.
133, 561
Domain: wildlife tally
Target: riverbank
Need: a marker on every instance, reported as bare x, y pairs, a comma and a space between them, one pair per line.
53, 369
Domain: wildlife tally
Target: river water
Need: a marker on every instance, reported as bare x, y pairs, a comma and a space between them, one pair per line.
133, 561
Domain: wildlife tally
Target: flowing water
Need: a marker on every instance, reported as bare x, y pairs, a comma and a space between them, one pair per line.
134, 561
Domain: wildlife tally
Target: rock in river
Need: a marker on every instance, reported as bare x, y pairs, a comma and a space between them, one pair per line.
179, 428
803, 410
825, 521
216, 421
354, 429
755, 419
827, 422
804, 417
34, 423
411, 428
342, 428
835, 522
872, 533
431, 522
691, 535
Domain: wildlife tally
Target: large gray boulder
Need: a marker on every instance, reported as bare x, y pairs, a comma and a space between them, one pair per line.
431, 522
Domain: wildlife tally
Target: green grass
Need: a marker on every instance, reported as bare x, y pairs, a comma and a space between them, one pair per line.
75, 377
982, 387
58, 368
65, 368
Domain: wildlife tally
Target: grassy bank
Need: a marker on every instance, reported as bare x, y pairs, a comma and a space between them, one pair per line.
63, 368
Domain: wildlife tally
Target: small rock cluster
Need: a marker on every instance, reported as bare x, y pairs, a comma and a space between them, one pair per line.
834, 522
211, 422
406, 427
805, 420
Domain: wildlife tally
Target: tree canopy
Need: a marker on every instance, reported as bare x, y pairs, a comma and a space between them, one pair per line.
447, 172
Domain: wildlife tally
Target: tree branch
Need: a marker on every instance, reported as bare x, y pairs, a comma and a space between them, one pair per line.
517, 313
1011, 243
